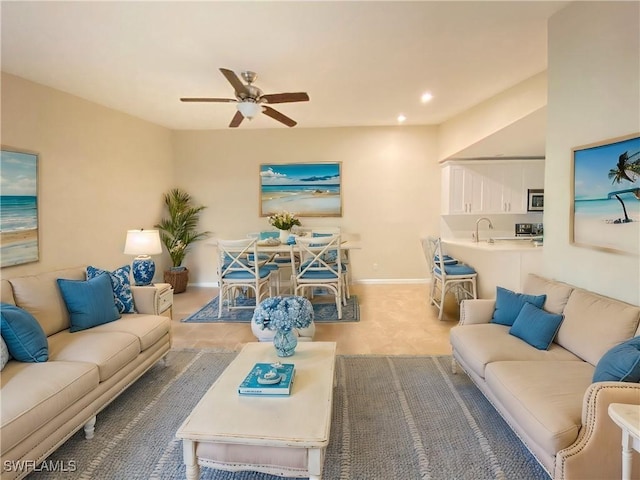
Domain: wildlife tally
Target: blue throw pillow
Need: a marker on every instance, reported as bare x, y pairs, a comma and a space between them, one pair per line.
121, 284
536, 327
509, 304
23, 335
620, 364
89, 303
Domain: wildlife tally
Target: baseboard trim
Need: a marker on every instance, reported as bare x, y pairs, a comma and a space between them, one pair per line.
391, 281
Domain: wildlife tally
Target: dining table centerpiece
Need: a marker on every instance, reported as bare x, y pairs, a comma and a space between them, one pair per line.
284, 315
284, 221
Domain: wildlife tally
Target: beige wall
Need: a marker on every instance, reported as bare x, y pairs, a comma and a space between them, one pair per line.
492, 115
594, 94
391, 189
100, 173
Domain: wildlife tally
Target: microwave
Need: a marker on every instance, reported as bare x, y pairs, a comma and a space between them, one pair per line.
535, 200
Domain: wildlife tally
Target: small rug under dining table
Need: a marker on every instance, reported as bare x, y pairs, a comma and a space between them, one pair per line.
324, 311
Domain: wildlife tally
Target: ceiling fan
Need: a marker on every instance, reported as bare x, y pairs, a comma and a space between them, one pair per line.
251, 101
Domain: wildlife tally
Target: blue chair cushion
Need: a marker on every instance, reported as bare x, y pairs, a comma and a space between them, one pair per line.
446, 259
318, 274
535, 326
240, 274
620, 364
121, 284
25, 339
509, 304
90, 303
458, 269
318, 264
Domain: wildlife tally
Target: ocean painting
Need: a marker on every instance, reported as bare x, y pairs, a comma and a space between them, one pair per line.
18, 208
304, 189
606, 202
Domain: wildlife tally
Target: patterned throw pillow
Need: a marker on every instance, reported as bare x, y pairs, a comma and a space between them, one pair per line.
4, 354
121, 286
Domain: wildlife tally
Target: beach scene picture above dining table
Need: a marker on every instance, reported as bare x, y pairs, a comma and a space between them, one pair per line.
18, 207
305, 189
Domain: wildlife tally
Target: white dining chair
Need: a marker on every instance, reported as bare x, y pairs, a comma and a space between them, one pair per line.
319, 266
236, 272
344, 257
447, 274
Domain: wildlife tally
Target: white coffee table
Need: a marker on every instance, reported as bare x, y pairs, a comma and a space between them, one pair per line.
284, 436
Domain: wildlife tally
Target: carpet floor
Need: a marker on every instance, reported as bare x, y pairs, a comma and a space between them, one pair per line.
394, 417
324, 311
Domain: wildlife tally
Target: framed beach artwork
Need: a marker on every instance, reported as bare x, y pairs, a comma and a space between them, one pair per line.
606, 195
305, 189
18, 207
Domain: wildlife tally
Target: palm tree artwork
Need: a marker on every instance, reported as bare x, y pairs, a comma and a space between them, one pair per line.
625, 170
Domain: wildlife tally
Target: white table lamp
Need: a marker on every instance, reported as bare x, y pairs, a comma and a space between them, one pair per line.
143, 243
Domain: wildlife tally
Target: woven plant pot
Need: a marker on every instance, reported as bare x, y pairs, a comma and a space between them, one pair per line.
178, 279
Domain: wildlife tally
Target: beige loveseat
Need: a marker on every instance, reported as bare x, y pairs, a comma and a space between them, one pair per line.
43, 404
547, 396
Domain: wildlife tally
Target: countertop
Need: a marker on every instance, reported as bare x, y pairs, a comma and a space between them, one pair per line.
499, 245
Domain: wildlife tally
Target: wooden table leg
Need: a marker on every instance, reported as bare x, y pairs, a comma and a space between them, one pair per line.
316, 460
626, 455
190, 459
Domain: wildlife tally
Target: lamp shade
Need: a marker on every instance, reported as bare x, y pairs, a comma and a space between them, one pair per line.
249, 109
143, 242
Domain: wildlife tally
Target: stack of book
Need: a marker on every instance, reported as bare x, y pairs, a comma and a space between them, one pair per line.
268, 379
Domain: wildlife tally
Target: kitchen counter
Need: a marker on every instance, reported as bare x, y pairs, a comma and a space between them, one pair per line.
505, 263
499, 244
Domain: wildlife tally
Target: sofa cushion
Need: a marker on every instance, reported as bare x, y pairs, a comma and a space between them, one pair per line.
23, 334
544, 398
40, 296
120, 284
620, 364
89, 302
34, 393
6, 292
593, 324
535, 326
557, 292
148, 328
509, 304
110, 351
482, 344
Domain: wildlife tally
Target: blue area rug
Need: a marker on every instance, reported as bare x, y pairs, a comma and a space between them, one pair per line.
394, 417
324, 310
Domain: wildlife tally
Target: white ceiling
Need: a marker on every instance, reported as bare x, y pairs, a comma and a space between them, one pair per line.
362, 63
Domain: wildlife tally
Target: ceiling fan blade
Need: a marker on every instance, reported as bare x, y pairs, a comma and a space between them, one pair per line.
235, 82
278, 116
236, 120
224, 100
285, 97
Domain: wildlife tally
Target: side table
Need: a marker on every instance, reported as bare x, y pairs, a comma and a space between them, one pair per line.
156, 299
627, 417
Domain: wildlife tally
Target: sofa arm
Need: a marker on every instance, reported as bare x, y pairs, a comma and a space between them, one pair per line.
148, 299
596, 454
474, 311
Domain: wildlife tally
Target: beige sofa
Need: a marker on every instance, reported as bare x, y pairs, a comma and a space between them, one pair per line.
547, 396
43, 404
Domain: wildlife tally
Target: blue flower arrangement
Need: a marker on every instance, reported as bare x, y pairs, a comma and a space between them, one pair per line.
283, 313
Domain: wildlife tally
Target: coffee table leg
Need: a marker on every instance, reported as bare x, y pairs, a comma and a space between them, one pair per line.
190, 460
316, 460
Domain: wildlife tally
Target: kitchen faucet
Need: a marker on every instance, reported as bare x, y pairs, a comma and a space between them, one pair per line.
476, 237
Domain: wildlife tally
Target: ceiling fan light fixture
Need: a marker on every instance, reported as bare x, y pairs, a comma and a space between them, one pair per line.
249, 109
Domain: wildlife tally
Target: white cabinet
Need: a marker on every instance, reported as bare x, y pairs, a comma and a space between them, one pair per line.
483, 187
462, 190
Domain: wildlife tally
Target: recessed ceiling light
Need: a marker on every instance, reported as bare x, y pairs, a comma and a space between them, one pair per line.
426, 97
401, 118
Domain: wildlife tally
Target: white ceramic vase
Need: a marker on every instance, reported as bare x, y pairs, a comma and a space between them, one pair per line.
284, 236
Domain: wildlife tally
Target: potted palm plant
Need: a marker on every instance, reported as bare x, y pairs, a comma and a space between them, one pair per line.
177, 232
